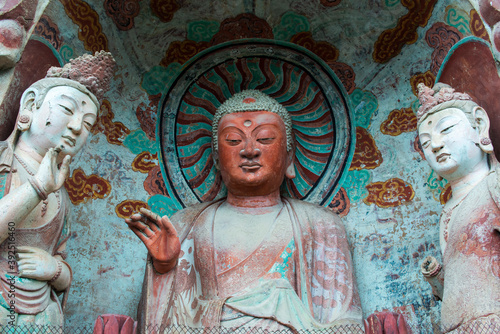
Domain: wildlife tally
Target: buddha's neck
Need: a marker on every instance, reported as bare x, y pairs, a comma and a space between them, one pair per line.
254, 201
460, 187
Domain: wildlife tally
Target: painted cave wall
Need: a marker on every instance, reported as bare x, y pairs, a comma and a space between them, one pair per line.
380, 50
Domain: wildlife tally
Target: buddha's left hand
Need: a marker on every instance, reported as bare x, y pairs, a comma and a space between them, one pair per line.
35, 263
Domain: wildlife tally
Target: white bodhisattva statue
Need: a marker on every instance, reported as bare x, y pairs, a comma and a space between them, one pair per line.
454, 134
55, 118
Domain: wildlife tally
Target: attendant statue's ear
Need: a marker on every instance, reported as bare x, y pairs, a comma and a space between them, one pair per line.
290, 169
27, 106
483, 129
215, 156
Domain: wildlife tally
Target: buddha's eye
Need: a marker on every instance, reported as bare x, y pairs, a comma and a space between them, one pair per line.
233, 142
266, 140
425, 143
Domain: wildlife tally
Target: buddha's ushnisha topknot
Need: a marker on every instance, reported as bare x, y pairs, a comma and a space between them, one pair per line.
92, 71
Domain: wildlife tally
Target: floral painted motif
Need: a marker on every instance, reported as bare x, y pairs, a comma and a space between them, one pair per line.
366, 154
154, 183
90, 32
158, 79
122, 12
445, 194
242, 26
427, 78
162, 205
324, 50
115, 132
146, 115
181, 52
355, 184
128, 207
164, 9
441, 37
417, 147
291, 23
346, 74
438, 187
477, 27
137, 142
390, 193
340, 203
399, 121
144, 162
202, 31
49, 31
391, 41
81, 187
458, 19
365, 103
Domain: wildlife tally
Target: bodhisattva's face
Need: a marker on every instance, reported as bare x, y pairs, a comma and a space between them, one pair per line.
64, 120
252, 152
449, 143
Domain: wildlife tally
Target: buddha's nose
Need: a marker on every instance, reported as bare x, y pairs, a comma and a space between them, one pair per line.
250, 151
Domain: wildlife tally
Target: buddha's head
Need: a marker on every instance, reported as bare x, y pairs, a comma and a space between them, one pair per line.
252, 143
453, 131
60, 110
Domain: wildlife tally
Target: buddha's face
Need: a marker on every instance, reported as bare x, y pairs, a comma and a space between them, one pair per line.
64, 121
449, 143
252, 152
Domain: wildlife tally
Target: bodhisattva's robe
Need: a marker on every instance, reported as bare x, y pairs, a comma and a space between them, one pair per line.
299, 277
31, 301
471, 260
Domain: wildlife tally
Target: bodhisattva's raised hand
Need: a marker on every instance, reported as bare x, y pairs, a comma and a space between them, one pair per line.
159, 236
50, 177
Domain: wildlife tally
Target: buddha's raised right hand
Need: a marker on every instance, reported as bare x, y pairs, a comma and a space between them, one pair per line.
159, 236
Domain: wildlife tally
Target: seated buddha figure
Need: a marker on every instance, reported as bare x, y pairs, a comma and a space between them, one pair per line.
254, 258
454, 135
55, 117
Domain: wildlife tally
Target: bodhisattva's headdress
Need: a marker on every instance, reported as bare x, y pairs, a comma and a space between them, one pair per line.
252, 100
90, 74
441, 96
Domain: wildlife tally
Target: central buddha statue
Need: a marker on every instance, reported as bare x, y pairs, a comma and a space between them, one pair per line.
254, 258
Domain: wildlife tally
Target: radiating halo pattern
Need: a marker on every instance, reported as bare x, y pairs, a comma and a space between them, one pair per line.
320, 117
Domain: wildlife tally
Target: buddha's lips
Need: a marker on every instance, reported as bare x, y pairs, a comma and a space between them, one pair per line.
250, 165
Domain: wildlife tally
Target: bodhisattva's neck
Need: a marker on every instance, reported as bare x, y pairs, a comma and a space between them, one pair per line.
262, 201
460, 187
28, 153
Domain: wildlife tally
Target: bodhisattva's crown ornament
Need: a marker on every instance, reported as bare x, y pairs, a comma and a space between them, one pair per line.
92, 71
252, 100
430, 98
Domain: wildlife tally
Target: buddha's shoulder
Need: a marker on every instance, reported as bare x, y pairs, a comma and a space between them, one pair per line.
313, 211
191, 212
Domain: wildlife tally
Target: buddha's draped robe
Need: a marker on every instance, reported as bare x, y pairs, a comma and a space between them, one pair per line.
299, 277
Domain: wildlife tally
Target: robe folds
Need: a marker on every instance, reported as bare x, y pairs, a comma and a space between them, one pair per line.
471, 259
300, 276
